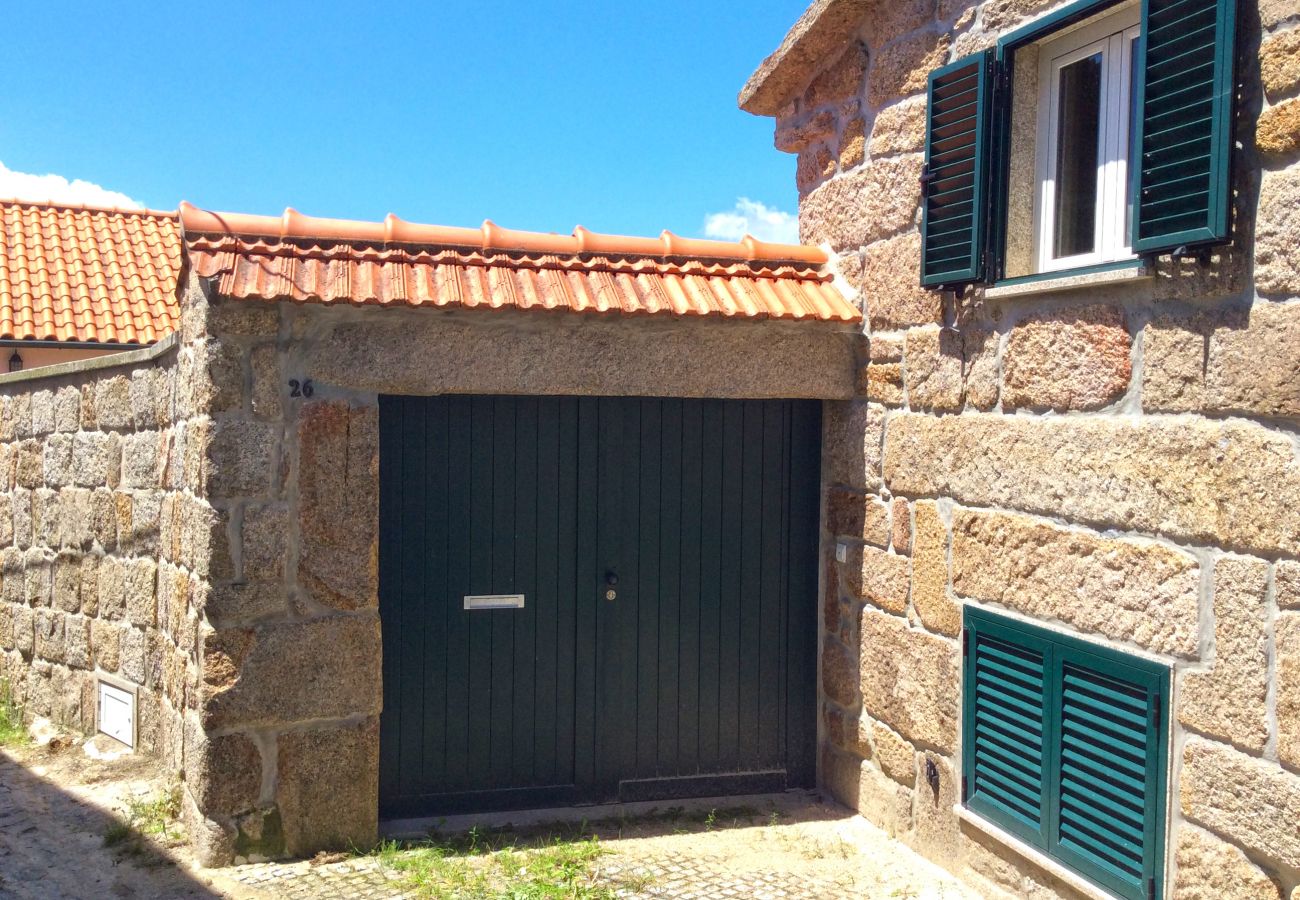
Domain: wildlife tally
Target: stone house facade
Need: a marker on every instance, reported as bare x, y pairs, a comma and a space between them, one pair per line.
199, 521
1098, 465
1109, 457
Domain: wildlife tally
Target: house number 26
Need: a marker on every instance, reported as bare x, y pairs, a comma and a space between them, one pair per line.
302, 388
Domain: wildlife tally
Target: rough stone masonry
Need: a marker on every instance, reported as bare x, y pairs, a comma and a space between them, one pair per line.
1118, 461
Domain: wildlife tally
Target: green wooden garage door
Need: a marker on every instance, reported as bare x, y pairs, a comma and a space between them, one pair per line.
665, 551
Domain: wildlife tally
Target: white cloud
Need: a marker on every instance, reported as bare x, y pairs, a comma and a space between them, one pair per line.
751, 217
57, 189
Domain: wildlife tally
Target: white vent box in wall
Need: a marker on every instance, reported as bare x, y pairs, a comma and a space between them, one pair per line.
117, 713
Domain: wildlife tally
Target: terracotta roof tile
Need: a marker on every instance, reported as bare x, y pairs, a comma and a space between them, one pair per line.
396, 263
71, 273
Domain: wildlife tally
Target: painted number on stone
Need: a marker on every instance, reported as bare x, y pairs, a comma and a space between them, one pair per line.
301, 388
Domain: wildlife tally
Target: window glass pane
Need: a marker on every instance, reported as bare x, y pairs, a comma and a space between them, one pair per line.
1133, 157
1077, 141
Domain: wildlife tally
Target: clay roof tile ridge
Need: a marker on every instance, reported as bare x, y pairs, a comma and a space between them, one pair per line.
489, 236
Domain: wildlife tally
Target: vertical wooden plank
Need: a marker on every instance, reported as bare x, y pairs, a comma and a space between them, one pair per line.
547, 709
415, 615
502, 454
733, 438
783, 708
749, 690
436, 472
481, 533
669, 600
525, 621
647, 674
688, 588
770, 688
391, 599
611, 702
625, 713
571, 632
459, 465
805, 478
711, 543
591, 654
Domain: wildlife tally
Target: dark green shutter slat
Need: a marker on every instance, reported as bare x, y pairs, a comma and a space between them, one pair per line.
955, 201
1199, 15
1169, 12
1182, 172
1110, 800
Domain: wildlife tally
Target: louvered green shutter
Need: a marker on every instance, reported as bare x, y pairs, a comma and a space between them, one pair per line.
955, 181
1109, 772
1184, 126
1005, 754
1064, 745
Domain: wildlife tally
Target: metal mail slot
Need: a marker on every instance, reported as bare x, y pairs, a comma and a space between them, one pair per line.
495, 601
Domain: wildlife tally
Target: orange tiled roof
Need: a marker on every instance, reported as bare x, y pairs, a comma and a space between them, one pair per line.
70, 273
84, 274
397, 263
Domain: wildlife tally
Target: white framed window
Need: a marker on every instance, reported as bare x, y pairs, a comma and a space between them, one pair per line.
1086, 106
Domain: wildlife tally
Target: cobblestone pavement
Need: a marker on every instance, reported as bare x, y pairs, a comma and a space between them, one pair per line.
56, 807
684, 877
677, 876
811, 850
362, 878
52, 840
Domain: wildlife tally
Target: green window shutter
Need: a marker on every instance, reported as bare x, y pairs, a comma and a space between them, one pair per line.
1064, 745
1184, 125
955, 182
1108, 769
1006, 746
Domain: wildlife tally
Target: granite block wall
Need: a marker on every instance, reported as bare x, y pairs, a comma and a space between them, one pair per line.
1114, 460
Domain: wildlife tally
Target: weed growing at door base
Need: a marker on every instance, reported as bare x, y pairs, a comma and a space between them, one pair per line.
474, 868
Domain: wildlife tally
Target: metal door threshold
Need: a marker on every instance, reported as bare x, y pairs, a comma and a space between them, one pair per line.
532, 819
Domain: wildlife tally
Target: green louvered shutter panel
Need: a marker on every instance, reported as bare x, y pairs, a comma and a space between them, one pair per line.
1184, 125
1108, 769
955, 182
1007, 734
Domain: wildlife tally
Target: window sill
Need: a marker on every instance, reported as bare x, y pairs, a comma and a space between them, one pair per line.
1069, 280
1034, 855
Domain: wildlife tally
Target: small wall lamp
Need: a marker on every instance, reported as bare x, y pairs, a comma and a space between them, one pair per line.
15, 362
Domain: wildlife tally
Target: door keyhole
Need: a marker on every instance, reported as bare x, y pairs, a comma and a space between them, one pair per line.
611, 581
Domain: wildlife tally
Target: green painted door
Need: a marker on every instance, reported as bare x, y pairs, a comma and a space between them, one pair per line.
664, 553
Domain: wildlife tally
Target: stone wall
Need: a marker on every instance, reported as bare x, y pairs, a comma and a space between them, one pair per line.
283, 741
104, 538
1117, 461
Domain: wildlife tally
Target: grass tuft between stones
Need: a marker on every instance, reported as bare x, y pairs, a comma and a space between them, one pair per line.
13, 733
545, 861
476, 869
148, 820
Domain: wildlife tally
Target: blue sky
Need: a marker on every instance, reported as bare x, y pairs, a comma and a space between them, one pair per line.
538, 115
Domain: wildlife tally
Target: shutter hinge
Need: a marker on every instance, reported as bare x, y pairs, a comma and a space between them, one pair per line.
963, 789
1155, 713
1151, 889
965, 643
